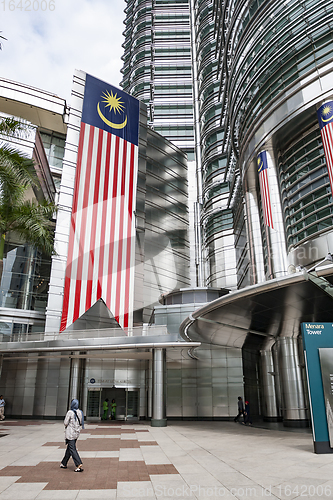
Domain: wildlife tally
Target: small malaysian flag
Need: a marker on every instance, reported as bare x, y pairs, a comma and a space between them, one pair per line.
325, 119
101, 251
264, 188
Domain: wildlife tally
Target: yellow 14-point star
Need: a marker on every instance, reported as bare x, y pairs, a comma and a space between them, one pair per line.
113, 101
327, 110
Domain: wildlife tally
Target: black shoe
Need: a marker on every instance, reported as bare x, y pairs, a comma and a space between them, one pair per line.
62, 466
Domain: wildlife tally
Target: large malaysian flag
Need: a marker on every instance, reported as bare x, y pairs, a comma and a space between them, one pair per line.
101, 251
325, 118
264, 188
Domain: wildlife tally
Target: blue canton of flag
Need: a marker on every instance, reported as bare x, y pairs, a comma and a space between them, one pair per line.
325, 114
262, 161
111, 109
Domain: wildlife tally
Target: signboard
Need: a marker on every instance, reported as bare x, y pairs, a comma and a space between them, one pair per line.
318, 347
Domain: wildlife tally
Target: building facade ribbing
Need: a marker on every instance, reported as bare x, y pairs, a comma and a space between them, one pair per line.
274, 62
158, 66
245, 57
170, 63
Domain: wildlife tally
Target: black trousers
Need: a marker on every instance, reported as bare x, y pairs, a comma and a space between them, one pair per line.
71, 451
240, 413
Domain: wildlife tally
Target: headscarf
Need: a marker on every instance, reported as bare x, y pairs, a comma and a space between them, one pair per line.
74, 407
74, 404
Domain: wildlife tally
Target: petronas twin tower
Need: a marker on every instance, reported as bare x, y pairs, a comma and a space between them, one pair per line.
225, 81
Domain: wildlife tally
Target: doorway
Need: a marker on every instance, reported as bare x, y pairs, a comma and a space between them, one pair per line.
127, 401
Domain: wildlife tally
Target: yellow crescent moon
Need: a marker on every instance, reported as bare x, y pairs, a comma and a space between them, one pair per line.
261, 164
327, 120
110, 124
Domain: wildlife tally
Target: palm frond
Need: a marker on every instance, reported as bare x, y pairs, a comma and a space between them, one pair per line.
29, 219
11, 126
34, 223
16, 169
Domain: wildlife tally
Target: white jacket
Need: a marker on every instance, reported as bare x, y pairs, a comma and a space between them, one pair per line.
72, 426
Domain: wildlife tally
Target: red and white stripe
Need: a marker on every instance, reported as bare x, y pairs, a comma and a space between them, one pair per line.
265, 197
101, 252
327, 138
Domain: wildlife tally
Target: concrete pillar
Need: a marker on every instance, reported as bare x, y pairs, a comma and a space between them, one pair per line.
159, 410
294, 407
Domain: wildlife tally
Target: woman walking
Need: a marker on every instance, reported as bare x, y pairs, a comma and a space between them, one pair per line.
74, 421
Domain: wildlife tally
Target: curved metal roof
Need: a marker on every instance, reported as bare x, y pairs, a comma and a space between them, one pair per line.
274, 308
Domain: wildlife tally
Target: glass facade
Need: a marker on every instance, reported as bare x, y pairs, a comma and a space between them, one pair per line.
170, 64
162, 223
268, 56
305, 188
54, 146
158, 66
25, 278
270, 48
26, 271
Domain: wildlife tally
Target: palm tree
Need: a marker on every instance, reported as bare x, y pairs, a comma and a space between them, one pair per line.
31, 220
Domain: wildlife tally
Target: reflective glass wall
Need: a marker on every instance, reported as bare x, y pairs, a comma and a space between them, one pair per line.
158, 65
219, 179
162, 242
274, 64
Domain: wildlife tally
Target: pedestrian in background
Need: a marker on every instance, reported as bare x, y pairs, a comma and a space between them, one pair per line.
105, 409
2, 408
240, 409
74, 421
247, 415
113, 409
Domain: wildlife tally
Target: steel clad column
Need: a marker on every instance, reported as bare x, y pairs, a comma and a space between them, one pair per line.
83, 391
158, 417
294, 408
75, 379
149, 382
277, 380
278, 264
257, 268
268, 384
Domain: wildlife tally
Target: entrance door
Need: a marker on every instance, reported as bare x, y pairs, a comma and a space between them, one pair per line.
132, 404
119, 395
127, 401
94, 403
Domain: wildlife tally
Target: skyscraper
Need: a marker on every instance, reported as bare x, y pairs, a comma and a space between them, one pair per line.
239, 75
158, 70
158, 66
260, 71
170, 63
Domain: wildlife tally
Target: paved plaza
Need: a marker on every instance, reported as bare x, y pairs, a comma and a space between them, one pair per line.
197, 460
